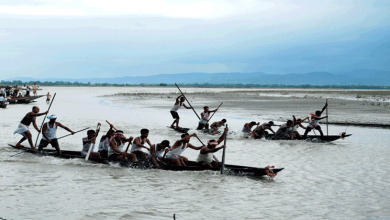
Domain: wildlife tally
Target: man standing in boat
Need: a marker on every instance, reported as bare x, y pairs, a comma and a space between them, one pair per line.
23, 126
35, 88
314, 122
48, 97
179, 147
205, 115
178, 104
206, 154
138, 144
49, 133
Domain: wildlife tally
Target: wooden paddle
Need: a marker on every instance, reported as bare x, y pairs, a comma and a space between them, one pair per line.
92, 145
44, 119
188, 102
71, 134
211, 116
327, 133
111, 125
292, 129
223, 154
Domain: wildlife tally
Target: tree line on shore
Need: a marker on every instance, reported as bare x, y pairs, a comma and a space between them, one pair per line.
303, 86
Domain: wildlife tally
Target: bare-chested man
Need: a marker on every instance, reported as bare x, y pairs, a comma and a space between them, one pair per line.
178, 104
26, 121
179, 147
48, 97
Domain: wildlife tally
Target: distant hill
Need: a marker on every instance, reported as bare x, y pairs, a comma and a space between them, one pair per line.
361, 76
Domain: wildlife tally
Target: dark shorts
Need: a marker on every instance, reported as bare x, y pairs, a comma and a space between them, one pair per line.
175, 115
139, 154
200, 126
114, 157
103, 153
44, 143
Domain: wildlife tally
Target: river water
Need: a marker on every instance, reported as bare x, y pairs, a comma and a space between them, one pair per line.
345, 179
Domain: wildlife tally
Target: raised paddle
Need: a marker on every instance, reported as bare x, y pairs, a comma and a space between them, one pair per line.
44, 119
93, 144
71, 134
212, 116
223, 154
111, 125
327, 133
188, 101
292, 129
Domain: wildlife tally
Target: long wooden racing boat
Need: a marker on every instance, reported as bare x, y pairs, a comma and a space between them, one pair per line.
325, 138
24, 99
191, 165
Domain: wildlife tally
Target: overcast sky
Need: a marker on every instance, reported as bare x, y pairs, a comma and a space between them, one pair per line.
101, 38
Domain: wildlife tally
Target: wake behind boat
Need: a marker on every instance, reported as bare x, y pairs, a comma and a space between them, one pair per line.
191, 165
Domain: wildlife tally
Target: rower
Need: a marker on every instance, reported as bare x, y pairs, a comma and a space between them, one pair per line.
179, 147
116, 151
49, 133
282, 132
216, 125
261, 130
314, 122
23, 126
35, 88
205, 115
179, 102
48, 96
247, 129
87, 141
138, 144
206, 155
297, 124
156, 152
104, 142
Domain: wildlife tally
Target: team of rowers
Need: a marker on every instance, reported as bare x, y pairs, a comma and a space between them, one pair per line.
112, 144
288, 130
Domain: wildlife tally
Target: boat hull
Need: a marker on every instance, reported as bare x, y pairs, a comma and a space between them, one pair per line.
191, 165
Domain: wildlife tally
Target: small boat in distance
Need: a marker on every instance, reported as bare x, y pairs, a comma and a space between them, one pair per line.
24, 99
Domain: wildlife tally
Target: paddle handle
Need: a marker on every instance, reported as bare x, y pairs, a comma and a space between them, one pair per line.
223, 154
89, 151
200, 140
44, 119
188, 101
327, 131
128, 145
71, 134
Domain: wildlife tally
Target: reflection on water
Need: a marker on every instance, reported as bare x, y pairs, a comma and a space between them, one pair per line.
345, 179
